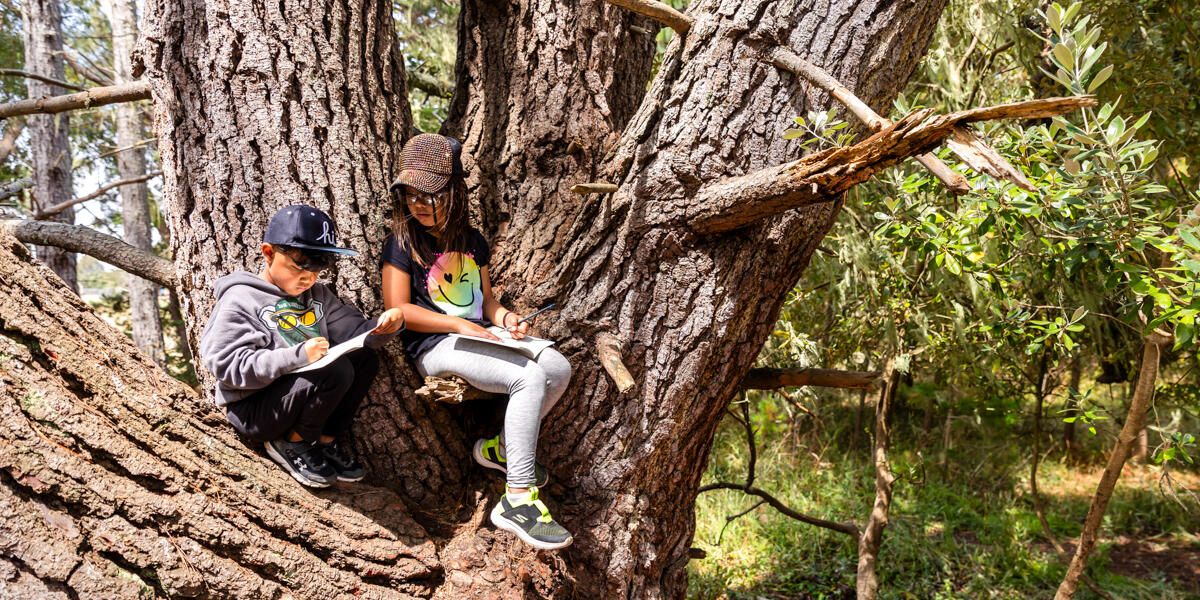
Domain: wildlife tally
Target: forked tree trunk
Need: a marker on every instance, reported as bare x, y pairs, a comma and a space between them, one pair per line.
131, 163
258, 105
48, 134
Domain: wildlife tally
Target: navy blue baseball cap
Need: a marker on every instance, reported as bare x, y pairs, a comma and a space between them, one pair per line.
304, 227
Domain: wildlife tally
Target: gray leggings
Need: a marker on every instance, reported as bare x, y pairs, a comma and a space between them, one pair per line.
532, 387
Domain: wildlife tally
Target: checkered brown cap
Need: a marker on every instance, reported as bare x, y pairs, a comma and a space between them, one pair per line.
427, 162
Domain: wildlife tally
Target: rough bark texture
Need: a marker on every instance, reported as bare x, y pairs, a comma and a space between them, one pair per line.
259, 105
131, 163
50, 146
117, 482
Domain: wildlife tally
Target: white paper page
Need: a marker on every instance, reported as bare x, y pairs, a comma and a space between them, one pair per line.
335, 353
529, 345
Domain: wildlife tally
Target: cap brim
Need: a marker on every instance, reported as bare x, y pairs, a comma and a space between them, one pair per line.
342, 251
421, 180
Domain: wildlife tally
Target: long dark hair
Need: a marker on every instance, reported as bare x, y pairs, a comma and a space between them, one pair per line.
411, 235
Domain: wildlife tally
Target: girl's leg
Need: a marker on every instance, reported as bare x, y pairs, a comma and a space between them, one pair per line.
502, 371
558, 375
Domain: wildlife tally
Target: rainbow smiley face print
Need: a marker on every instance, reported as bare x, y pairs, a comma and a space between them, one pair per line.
455, 286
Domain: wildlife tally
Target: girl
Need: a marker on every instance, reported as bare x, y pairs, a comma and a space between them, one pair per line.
435, 269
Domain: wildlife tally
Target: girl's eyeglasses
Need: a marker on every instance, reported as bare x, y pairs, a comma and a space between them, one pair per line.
413, 197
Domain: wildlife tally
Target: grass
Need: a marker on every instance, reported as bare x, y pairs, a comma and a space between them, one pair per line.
968, 531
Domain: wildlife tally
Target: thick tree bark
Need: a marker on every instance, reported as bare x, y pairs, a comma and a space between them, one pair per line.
135, 210
48, 135
117, 482
258, 105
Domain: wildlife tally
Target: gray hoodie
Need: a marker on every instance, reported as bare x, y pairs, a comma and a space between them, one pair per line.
257, 332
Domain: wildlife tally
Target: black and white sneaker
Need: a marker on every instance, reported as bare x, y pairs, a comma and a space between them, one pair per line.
303, 461
346, 467
531, 521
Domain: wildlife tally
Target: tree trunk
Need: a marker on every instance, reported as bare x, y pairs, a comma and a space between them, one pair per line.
258, 105
1069, 444
867, 580
131, 163
48, 134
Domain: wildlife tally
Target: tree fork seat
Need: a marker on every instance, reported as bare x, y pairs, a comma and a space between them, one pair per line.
451, 390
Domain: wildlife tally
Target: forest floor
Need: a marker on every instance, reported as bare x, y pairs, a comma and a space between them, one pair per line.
961, 527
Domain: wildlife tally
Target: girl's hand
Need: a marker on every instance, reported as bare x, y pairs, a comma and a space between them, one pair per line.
517, 331
391, 320
468, 328
315, 348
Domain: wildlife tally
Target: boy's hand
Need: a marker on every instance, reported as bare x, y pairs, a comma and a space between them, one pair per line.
316, 348
391, 320
468, 328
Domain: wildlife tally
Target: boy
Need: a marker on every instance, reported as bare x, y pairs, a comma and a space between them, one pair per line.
266, 325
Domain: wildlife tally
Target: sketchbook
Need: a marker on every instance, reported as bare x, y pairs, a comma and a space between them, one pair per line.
335, 352
528, 346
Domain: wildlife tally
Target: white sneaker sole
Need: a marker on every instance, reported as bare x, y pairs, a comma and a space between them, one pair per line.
287, 466
477, 453
499, 521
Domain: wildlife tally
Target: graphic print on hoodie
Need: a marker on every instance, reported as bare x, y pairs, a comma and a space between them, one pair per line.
256, 332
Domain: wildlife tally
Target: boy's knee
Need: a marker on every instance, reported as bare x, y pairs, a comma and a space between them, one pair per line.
365, 362
339, 375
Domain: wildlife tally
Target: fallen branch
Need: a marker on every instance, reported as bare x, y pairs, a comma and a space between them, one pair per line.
658, 11
847, 528
609, 350
769, 379
98, 96
107, 248
42, 78
57, 208
737, 202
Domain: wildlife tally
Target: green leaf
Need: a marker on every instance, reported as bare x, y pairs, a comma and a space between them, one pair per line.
1190, 237
792, 134
1066, 58
1054, 19
1078, 314
1100, 78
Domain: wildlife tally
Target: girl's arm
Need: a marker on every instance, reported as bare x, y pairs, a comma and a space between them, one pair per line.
396, 294
496, 313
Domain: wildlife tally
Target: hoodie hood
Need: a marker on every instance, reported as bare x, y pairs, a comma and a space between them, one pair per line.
247, 278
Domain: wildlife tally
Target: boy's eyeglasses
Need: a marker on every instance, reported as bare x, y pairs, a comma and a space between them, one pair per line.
435, 199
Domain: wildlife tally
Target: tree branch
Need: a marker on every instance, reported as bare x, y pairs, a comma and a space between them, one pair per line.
107, 248
609, 350
769, 379
57, 208
86, 72
730, 204
847, 528
98, 96
658, 11
789, 61
429, 84
50, 80
15, 187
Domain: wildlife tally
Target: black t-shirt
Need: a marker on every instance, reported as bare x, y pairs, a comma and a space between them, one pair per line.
452, 285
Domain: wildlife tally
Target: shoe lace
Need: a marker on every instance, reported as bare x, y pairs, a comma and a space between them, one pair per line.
312, 457
335, 450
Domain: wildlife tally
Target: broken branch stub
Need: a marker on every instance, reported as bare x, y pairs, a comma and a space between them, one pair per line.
594, 188
609, 350
98, 96
658, 11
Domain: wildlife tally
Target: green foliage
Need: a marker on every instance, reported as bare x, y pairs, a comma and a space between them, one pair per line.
428, 36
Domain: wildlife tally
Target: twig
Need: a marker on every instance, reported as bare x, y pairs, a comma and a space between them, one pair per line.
42, 78
732, 518
57, 208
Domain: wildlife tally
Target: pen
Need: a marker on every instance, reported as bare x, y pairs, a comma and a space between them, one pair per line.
530, 317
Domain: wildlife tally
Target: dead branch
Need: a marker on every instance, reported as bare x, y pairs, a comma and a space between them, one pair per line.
789, 61
769, 379
15, 187
658, 11
98, 96
42, 78
867, 582
609, 349
57, 208
736, 202
847, 528
93, 75
107, 248
594, 188
984, 159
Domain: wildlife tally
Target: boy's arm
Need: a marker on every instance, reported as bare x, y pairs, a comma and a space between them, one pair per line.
234, 352
344, 322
